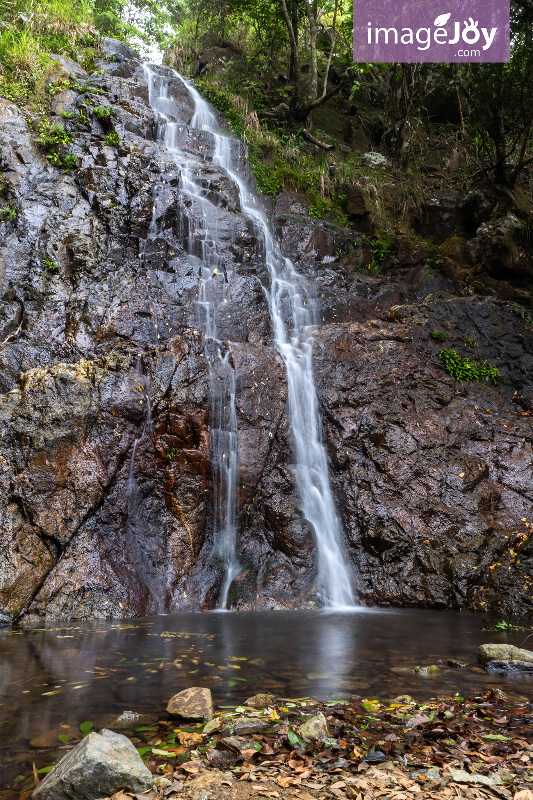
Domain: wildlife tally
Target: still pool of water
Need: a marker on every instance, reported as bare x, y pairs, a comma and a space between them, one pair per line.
69, 673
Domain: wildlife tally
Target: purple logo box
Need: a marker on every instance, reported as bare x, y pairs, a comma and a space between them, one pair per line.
410, 31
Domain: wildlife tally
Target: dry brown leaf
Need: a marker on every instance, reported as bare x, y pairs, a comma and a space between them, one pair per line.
524, 794
189, 739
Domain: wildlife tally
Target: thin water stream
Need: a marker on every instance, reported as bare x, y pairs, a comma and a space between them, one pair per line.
293, 315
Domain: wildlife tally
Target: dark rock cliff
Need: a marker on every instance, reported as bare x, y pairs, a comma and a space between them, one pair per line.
105, 468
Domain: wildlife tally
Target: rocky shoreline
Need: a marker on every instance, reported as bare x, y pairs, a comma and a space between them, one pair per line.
472, 747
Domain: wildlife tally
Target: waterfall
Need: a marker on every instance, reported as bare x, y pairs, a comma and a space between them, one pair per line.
293, 315
203, 237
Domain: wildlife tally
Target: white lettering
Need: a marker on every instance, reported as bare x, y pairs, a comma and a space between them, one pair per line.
489, 37
409, 34
439, 33
425, 41
457, 33
470, 32
386, 31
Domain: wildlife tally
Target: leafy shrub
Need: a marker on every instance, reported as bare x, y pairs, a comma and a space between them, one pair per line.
112, 139
50, 265
50, 137
521, 312
103, 112
463, 369
8, 212
381, 248
439, 336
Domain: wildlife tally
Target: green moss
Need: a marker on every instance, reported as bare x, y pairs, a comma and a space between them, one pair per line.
439, 336
463, 369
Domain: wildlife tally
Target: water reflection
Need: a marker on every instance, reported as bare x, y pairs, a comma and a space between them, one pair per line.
96, 670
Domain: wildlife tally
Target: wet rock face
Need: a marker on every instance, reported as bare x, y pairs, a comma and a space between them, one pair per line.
431, 476
105, 470
106, 488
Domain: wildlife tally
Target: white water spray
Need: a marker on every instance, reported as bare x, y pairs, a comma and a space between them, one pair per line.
292, 312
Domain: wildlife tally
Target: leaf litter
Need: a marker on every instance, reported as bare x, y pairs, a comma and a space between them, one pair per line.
480, 748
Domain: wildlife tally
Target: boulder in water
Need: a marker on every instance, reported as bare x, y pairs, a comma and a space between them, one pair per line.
194, 703
502, 652
98, 766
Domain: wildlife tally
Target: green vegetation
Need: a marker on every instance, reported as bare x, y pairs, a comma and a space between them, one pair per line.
112, 139
55, 140
8, 213
521, 312
463, 369
504, 627
30, 32
50, 265
103, 112
439, 336
381, 248
86, 728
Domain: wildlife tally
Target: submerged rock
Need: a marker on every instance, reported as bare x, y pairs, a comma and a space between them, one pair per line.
315, 729
98, 766
195, 703
510, 667
455, 664
503, 652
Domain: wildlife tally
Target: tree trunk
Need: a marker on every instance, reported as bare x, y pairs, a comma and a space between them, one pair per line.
311, 8
294, 69
333, 43
497, 132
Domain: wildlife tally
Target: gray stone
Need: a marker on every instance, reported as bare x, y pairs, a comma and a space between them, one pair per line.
417, 721
502, 652
250, 725
375, 159
98, 766
315, 729
195, 703
237, 744
113, 48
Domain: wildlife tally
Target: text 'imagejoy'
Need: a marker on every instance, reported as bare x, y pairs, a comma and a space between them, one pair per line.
431, 31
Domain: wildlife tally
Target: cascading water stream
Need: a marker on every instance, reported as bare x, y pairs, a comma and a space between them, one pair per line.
292, 311
224, 438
